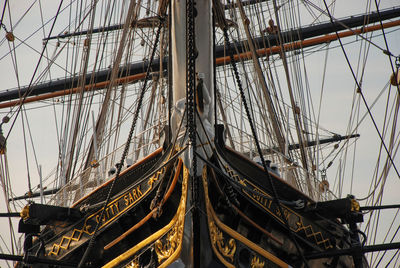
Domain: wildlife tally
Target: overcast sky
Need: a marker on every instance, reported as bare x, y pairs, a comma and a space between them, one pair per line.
338, 93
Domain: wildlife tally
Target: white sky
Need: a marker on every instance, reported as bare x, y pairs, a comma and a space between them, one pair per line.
338, 94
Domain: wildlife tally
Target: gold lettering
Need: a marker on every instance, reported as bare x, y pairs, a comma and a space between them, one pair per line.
117, 206
139, 191
264, 202
134, 194
278, 212
112, 210
257, 197
87, 228
287, 215
131, 198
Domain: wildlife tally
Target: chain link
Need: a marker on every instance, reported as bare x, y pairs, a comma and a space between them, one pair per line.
4, 27
191, 75
253, 130
191, 116
127, 145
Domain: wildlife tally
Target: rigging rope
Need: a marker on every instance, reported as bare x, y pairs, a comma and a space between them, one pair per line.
366, 105
362, 96
342, 24
191, 13
243, 97
26, 155
387, 51
2, 13
126, 149
36, 69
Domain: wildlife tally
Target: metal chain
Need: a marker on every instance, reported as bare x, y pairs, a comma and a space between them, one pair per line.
253, 130
127, 145
190, 86
191, 119
191, 73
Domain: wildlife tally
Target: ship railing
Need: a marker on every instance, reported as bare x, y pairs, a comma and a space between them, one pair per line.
102, 170
287, 169
90, 178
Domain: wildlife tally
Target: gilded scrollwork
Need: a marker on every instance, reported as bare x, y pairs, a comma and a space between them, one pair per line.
171, 243
226, 251
220, 247
256, 263
217, 239
316, 236
133, 264
166, 242
114, 209
155, 177
285, 214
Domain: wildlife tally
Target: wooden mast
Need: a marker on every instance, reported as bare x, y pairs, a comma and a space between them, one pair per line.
218, 61
270, 106
204, 61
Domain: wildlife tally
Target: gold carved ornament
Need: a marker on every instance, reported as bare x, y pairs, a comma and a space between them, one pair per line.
317, 236
164, 251
133, 264
220, 248
168, 251
77, 234
287, 213
177, 221
229, 249
217, 239
256, 263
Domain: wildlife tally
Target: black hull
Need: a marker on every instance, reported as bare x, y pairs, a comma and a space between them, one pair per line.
135, 204
242, 207
149, 222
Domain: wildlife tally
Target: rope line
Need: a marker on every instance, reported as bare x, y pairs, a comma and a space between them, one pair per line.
126, 149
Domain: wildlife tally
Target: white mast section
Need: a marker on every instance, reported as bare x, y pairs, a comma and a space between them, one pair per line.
204, 43
179, 51
204, 67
